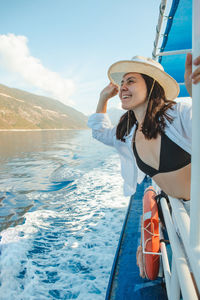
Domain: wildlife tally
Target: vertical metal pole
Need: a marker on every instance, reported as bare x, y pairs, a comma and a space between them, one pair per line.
175, 286
159, 26
195, 182
166, 268
182, 267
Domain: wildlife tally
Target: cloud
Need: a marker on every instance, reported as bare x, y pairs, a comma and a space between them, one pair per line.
16, 58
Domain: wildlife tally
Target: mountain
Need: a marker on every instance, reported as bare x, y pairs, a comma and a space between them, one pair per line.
115, 114
22, 110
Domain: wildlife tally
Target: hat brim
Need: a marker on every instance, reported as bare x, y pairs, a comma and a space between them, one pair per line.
120, 68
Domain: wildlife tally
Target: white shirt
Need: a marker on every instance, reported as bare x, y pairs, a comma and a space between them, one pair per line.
179, 131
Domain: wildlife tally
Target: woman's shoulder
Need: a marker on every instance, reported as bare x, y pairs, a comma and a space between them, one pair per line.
99, 120
185, 102
182, 117
181, 106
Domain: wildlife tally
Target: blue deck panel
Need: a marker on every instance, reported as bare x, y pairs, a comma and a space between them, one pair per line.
125, 282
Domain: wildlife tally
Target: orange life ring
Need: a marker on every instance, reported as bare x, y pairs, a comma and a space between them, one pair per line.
150, 224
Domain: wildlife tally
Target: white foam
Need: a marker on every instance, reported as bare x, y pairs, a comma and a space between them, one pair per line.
67, 248
33, 221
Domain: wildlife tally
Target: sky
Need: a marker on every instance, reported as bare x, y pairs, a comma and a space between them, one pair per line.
62, 49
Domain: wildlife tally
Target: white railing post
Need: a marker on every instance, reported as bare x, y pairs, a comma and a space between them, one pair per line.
175, 286
182, 267
182, 221
159, 26
195, 182
166, 268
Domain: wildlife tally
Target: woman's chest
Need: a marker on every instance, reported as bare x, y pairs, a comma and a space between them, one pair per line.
160, 155
148, 150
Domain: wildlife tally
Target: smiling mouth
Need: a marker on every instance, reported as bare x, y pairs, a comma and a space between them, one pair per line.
126, 96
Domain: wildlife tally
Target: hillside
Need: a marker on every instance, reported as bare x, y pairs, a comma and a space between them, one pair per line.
23, 110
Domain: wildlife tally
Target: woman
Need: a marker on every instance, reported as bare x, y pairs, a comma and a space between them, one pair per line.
155, 132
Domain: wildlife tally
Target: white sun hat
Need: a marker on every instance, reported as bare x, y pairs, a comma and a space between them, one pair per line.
147, 66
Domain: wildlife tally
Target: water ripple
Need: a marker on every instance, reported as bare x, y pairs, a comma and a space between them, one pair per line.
61, 215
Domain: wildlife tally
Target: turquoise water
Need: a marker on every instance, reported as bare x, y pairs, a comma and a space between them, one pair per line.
62, 210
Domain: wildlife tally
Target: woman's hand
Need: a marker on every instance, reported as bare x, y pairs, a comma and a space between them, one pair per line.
140, 263
109, 91
189, 76
196, 73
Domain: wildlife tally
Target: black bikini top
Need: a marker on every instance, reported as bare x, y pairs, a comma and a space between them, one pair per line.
172, 157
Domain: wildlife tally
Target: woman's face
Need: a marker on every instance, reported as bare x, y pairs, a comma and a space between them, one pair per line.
133, 91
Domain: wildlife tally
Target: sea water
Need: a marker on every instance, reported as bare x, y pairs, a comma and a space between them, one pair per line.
61, 214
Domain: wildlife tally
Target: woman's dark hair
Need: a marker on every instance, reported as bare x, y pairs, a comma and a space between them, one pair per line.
156, 114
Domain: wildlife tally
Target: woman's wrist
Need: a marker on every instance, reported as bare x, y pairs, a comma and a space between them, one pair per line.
104, 98
102, 105
189, 88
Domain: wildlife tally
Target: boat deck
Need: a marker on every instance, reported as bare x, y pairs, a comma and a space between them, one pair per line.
125, 282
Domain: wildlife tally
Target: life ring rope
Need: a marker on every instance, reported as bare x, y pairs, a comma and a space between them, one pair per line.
150, 234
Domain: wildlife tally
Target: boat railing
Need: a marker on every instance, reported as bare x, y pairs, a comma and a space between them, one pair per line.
159, 26
183, 278
184, 274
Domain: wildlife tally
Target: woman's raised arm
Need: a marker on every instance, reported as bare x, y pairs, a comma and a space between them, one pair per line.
108, 92
189, 76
